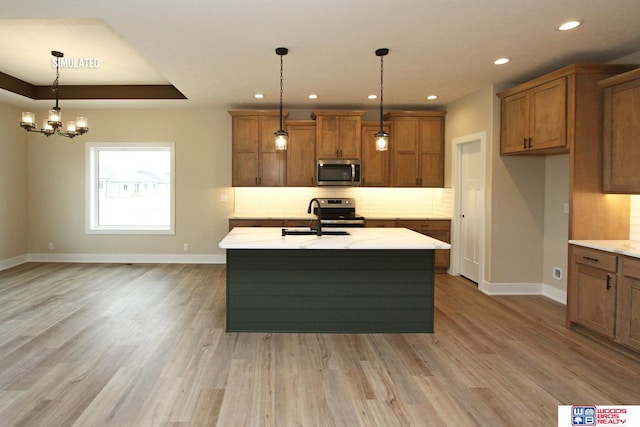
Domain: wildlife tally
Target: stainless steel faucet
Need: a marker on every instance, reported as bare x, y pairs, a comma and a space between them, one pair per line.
319, 230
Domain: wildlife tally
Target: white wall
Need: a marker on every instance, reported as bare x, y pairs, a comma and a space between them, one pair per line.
13, 187
56, 183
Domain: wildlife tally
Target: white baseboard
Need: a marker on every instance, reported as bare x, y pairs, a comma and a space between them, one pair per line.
12, 262
543, 289
116, 258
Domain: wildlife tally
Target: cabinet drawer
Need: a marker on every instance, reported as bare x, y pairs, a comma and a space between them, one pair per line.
255, 223
381, 223
599, 259
425, 225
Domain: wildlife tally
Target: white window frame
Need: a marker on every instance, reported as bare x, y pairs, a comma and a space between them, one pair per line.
92, 182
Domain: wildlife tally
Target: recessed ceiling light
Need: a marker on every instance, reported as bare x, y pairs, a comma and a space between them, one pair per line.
313, 96
501, 61
569, 25
258, 96
372, 96
432, 97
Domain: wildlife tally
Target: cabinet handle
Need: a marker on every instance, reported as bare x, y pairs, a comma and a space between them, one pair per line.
608, 281
588, 258
530, 139
524, 143
256, 180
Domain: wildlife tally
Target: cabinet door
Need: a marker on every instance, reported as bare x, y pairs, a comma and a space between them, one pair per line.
591, 292
431, 143
350, 138
548, 118
404, 147
272, 161
328, 137
301, 153
515, 123
375, 164
246, 134
622, 138
629, 304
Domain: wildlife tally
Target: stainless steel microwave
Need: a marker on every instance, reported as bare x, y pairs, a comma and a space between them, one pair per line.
338, 172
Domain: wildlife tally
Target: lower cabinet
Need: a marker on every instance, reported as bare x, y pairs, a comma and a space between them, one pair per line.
437, 228
255, 223
629, 304
593, 290
604, 294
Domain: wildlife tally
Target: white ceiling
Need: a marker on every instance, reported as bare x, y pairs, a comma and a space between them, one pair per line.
219, 53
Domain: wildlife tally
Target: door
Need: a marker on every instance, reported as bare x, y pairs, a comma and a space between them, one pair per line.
470, 214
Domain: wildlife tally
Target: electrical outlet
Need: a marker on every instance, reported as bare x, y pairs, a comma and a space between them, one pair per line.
557, 273
50, 246
186, 247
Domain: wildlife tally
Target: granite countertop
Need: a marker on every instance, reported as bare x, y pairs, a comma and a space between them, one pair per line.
359, 238
622, 247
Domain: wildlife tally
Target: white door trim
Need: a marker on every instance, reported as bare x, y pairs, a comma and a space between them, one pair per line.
456, 151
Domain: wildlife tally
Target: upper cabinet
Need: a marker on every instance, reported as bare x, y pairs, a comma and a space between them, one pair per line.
547, 114
535, 120
417, 148
301, 153
375, 164
338, 134
621, 133
256, 162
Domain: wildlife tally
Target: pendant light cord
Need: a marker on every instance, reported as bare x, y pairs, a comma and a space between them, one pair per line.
281, 71
381, 89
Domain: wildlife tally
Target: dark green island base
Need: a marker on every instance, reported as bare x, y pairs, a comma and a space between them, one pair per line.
330, 290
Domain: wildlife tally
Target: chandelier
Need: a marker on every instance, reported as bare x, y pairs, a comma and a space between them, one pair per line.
53, 124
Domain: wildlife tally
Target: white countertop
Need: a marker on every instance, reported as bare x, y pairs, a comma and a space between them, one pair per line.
312, 217
359, 238
622, 247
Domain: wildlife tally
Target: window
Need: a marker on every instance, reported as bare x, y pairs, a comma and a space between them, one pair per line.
130, 188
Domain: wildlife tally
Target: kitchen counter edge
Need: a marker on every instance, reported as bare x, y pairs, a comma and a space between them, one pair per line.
622, 247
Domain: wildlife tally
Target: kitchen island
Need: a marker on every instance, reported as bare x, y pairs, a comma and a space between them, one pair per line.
371, 280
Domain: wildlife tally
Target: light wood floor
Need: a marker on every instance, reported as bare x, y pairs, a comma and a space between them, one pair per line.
137, 345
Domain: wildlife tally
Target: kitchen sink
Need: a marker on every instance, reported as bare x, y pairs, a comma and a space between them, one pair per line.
286, 232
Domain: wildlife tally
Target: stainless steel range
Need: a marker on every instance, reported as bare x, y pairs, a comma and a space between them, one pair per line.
338, 212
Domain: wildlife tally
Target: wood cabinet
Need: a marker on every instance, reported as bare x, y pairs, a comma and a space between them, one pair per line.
603, 294
338, 134
556, 112
301, 151
621, 133
381, 223
417, 148
255, 161
535, 120
593, 290
628, 320
375, 164
437, 228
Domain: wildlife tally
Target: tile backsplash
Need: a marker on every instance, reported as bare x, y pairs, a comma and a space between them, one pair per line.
635, 218
370, 202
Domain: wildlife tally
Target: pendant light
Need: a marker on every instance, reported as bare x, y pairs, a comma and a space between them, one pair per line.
381, 137
280, 136
54, 123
